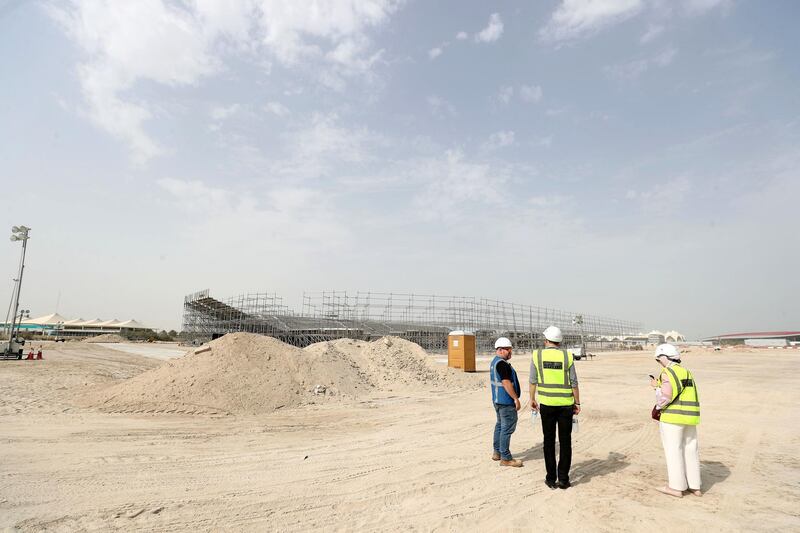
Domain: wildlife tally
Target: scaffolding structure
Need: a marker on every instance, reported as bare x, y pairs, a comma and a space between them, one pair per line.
424, 319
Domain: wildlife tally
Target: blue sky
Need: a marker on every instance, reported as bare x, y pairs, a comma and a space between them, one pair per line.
631, 158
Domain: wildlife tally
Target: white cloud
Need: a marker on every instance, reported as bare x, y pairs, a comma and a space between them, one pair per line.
127, 42
499, 139
530, 93
462, 36
179, 44
700, 7
492, 32
440, 107
453, 186
630, 70
543, 142
505, 94
353, 56
665, 57
279, 219
287, 24
318, 148
276, 108
634, 69
574, 19
653, 31
223, 112
741, 56
662, 198
577, 19
433, 53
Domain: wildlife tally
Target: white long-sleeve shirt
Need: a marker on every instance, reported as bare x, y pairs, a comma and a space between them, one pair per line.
664, 393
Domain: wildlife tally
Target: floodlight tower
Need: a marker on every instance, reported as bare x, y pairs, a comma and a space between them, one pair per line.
18, 233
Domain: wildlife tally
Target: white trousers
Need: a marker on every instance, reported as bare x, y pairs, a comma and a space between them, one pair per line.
683, 455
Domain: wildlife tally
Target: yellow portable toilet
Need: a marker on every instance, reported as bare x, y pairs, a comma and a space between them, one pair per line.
461, 350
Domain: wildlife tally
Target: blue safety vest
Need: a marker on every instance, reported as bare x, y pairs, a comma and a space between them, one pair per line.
499, 394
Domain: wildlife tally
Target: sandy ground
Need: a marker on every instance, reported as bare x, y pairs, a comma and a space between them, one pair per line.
398, 461
156, 351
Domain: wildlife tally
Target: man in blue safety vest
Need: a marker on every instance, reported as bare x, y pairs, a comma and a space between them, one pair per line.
505, 396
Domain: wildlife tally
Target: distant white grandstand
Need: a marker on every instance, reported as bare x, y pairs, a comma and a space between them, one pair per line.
57, 325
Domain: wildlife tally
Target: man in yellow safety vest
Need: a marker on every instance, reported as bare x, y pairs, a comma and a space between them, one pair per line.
553, 374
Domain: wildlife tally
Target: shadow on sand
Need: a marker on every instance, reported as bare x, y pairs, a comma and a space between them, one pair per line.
713, 472
534, 452
583, 472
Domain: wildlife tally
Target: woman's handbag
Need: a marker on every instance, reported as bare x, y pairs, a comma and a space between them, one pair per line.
655, 414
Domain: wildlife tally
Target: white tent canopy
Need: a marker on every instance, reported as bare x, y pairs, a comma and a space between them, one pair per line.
47, 320
131, 324
53, 320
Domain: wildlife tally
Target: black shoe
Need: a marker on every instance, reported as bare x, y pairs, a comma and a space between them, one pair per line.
551, 484
564, 484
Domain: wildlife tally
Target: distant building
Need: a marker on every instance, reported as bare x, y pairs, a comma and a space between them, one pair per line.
757, 338
643, 339
674, 336
635, 340
660, 337
57, 325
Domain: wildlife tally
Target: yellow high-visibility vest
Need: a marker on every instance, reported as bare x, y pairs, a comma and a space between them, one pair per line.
685, 406
554, 387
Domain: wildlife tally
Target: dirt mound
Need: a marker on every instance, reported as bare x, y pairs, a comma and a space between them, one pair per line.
390, 362
105, 337
244, 373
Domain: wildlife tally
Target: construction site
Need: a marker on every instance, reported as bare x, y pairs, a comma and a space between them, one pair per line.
423, 319
400, 266
247, 433
344, 415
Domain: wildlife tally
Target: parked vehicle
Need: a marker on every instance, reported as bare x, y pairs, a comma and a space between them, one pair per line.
580, 352
12, 349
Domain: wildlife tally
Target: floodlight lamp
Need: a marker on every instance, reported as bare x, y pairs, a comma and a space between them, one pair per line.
15, 229
14, 238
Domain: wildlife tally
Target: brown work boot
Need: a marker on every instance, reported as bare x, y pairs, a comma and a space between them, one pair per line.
495, 456
511, 462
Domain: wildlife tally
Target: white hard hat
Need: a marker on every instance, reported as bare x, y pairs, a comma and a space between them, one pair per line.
502, 342
553, 334
669, 351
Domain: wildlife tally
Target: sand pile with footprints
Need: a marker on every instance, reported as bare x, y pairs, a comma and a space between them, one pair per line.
243, 373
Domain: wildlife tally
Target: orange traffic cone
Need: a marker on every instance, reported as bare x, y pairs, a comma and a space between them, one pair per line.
30, 356
39, 354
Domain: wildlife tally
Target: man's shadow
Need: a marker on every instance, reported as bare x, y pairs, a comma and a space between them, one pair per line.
533, 452
584, 471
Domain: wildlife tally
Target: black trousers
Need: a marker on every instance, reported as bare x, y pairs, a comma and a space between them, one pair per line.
560, 416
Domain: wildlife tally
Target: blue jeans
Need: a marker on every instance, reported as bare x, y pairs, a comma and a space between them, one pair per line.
505, 426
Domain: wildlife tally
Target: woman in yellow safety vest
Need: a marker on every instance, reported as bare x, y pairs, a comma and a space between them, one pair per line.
679, 404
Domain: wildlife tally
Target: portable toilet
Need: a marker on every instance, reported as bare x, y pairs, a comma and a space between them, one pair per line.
461, 350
